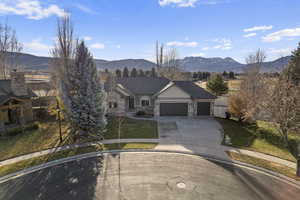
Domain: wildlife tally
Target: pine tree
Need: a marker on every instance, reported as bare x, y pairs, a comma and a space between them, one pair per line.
231, 75
141, 73
293, 69
133, 73
153, 72
118, 73
225, 74
217, 85
86, 99
125, 72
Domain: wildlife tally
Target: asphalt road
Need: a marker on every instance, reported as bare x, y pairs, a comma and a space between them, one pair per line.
144, 176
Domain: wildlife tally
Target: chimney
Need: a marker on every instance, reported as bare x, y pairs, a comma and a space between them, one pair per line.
18, 85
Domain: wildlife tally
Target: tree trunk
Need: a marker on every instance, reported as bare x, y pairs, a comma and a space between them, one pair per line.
298, 166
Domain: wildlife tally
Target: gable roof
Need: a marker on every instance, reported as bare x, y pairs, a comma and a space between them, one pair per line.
143, 85
193, 90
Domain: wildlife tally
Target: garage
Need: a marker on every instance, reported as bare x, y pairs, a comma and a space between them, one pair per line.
203, 108
173, 109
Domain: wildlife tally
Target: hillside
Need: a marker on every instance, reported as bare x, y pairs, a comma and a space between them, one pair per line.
31, 62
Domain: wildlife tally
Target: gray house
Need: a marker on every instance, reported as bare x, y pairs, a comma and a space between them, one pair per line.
159, 96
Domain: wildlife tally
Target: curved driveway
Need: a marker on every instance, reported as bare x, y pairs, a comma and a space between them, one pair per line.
144, 175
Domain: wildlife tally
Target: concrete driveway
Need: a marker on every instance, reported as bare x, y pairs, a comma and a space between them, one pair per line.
196, 135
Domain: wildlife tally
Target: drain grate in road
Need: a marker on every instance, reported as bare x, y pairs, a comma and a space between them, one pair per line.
181, 185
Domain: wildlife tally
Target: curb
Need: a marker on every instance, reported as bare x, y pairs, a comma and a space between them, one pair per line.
96, 154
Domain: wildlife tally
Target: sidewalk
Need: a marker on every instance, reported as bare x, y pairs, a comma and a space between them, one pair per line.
73, 146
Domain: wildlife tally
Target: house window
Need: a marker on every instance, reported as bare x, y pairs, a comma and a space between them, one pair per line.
115, 104
112, 104
145, 103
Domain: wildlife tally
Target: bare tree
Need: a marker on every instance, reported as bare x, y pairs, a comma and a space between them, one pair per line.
171, 67
9, 50
159, 55
252, 86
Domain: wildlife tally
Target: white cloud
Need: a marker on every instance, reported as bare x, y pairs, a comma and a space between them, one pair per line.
87, 38
198, 55
258, 28
250, 35
281, 52
178, 3
32, 9
98, 46
85, 9
224, 44
205, 48
182, 44
37, 47
277, 36
118, 46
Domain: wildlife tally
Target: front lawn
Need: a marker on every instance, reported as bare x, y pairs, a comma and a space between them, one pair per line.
131, 128
262, 137
282, 169
47, 136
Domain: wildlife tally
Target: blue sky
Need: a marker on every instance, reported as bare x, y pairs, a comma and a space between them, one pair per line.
118, 29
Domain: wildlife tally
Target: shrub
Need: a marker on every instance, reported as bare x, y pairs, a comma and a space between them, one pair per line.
140, 113
18, 130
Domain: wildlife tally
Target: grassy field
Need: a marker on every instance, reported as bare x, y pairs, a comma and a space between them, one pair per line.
282, 169
262, 137
7, 169
47, 136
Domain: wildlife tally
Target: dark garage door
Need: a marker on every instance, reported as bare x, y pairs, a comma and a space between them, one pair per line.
173, 109
203, 108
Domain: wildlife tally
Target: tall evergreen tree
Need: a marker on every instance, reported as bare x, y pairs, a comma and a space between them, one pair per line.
293, 69
118, 73
217, 85
133, 73
106, 70
225, 74
141, 73
125, 72
85, 95
231, 75
200, 76
153, 72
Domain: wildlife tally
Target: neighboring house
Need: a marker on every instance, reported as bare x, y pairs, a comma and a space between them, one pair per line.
15, 100
160, 97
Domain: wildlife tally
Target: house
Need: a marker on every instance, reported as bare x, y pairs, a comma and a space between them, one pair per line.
15, 100
159, 96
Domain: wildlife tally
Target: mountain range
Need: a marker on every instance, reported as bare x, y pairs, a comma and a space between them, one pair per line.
217, 64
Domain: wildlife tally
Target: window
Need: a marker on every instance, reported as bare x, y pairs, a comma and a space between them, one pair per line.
112, 104
145, 103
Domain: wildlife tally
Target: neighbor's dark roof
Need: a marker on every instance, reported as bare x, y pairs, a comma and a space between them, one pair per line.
143, 85
6, 92
195, 91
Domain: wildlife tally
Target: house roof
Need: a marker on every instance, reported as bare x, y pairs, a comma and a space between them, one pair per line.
152, 86
143, 85
193, 90
6, 92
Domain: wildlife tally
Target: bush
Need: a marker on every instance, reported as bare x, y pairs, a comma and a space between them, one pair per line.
18, 130
227, 115
140, 113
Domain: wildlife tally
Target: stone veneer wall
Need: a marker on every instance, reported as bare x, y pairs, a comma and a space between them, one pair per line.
18, 85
